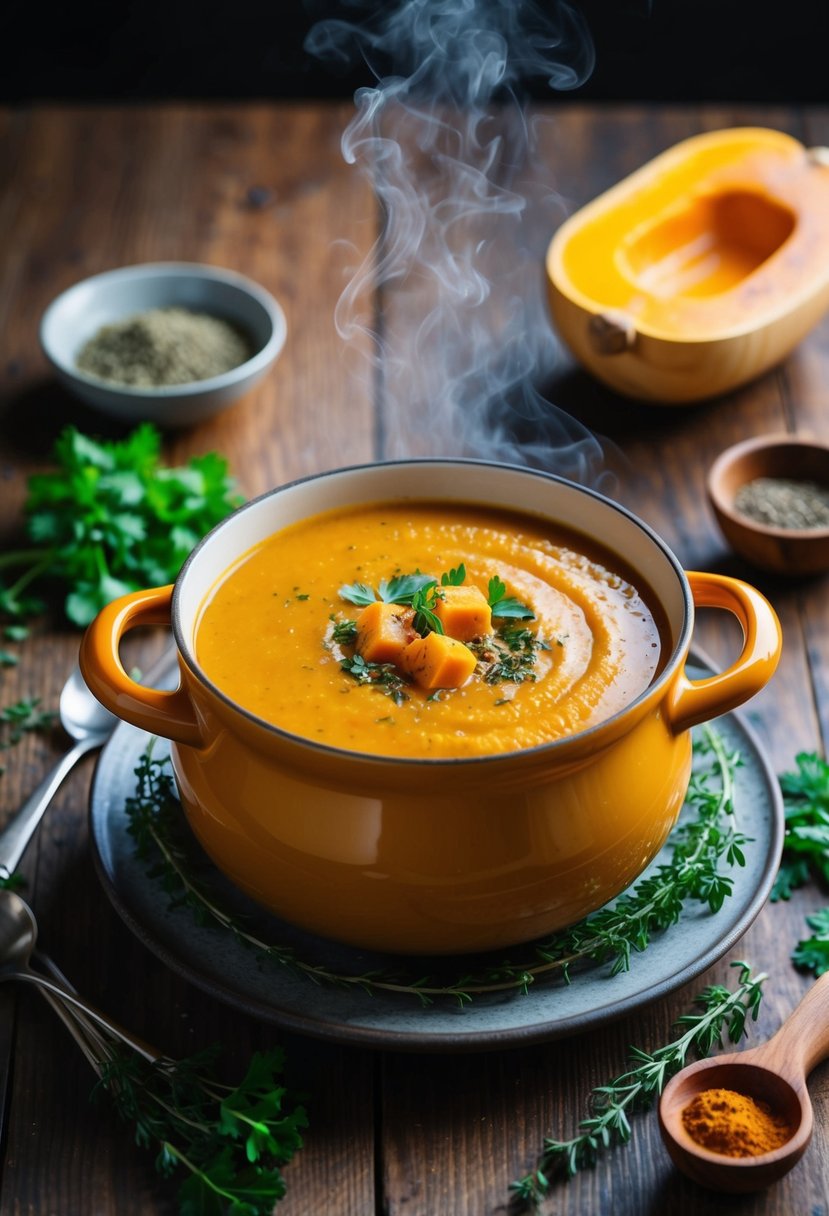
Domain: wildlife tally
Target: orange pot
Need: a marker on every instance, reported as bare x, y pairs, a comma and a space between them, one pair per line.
432, 856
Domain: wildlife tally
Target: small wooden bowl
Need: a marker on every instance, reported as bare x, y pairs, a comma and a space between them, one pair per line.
789, 551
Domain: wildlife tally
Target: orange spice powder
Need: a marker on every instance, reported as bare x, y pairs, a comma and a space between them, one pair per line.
734, 1124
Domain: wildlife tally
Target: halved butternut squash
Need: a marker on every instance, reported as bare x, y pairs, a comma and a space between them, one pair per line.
699, 271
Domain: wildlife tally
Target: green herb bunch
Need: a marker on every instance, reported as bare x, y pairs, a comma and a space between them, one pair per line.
228, 1141
111, 519
806, 851
608, 1124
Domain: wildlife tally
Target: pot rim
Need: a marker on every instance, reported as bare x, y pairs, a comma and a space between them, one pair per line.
556, 748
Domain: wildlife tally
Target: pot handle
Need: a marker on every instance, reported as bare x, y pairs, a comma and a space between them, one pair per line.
169, 714
690, 702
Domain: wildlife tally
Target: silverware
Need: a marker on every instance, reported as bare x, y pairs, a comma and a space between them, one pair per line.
18, 935
87, 722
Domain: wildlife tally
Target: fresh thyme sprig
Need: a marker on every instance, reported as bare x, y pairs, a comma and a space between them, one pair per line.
608, 1125
611, 936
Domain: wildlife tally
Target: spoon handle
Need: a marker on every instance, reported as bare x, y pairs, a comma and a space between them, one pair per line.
18, 832
48, 986
803, 1039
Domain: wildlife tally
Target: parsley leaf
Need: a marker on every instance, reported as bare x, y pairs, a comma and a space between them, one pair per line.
358, 593
806, 842
503, 605
454, 578
403, 588
111, 519
813, 952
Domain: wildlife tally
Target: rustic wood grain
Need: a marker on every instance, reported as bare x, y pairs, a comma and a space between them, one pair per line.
265, 189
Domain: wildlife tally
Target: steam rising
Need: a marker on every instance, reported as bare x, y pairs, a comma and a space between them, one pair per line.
463, 341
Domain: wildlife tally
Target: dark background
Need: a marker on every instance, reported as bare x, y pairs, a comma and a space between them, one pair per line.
660, 50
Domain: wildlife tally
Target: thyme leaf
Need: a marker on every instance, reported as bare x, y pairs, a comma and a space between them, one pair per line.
705, 838
724, 1013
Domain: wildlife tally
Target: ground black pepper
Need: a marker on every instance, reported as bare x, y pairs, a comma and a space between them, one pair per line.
164, 346
781, 502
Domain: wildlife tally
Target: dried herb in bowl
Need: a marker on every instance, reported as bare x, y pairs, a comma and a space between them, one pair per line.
782, 502
164, 346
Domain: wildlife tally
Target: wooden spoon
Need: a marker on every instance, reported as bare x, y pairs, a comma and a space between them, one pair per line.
774, 1073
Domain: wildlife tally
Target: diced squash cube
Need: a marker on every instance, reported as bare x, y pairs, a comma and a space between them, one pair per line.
438, 661
384, 631
464, 612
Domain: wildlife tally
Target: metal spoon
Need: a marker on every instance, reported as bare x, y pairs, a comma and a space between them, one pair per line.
85, 720
18, 934
774, 1073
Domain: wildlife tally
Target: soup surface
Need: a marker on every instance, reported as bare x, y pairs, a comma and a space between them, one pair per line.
571, 640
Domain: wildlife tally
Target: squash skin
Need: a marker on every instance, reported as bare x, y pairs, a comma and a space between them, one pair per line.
752, 195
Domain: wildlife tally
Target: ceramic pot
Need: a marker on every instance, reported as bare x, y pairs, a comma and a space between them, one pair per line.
432, 856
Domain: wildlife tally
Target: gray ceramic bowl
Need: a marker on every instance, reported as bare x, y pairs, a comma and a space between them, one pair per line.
79, 312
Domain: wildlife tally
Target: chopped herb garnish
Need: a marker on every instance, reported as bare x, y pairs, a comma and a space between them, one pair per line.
344, 633
508, 655
383, 676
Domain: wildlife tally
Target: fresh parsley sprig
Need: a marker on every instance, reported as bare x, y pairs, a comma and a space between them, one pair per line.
227, 1141
699, 845
421, 592
110, 519
503, 605
812, 953
724, 1012
806, 842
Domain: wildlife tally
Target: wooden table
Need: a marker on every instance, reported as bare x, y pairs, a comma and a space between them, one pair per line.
266, 190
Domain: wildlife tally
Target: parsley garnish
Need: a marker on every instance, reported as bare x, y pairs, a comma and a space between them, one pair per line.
111, 519
504, 605
417, 591
455, 577
806, 843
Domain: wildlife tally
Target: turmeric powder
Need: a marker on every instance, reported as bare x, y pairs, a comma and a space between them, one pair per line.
734, 1124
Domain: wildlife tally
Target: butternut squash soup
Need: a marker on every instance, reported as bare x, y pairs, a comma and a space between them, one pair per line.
430, 630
